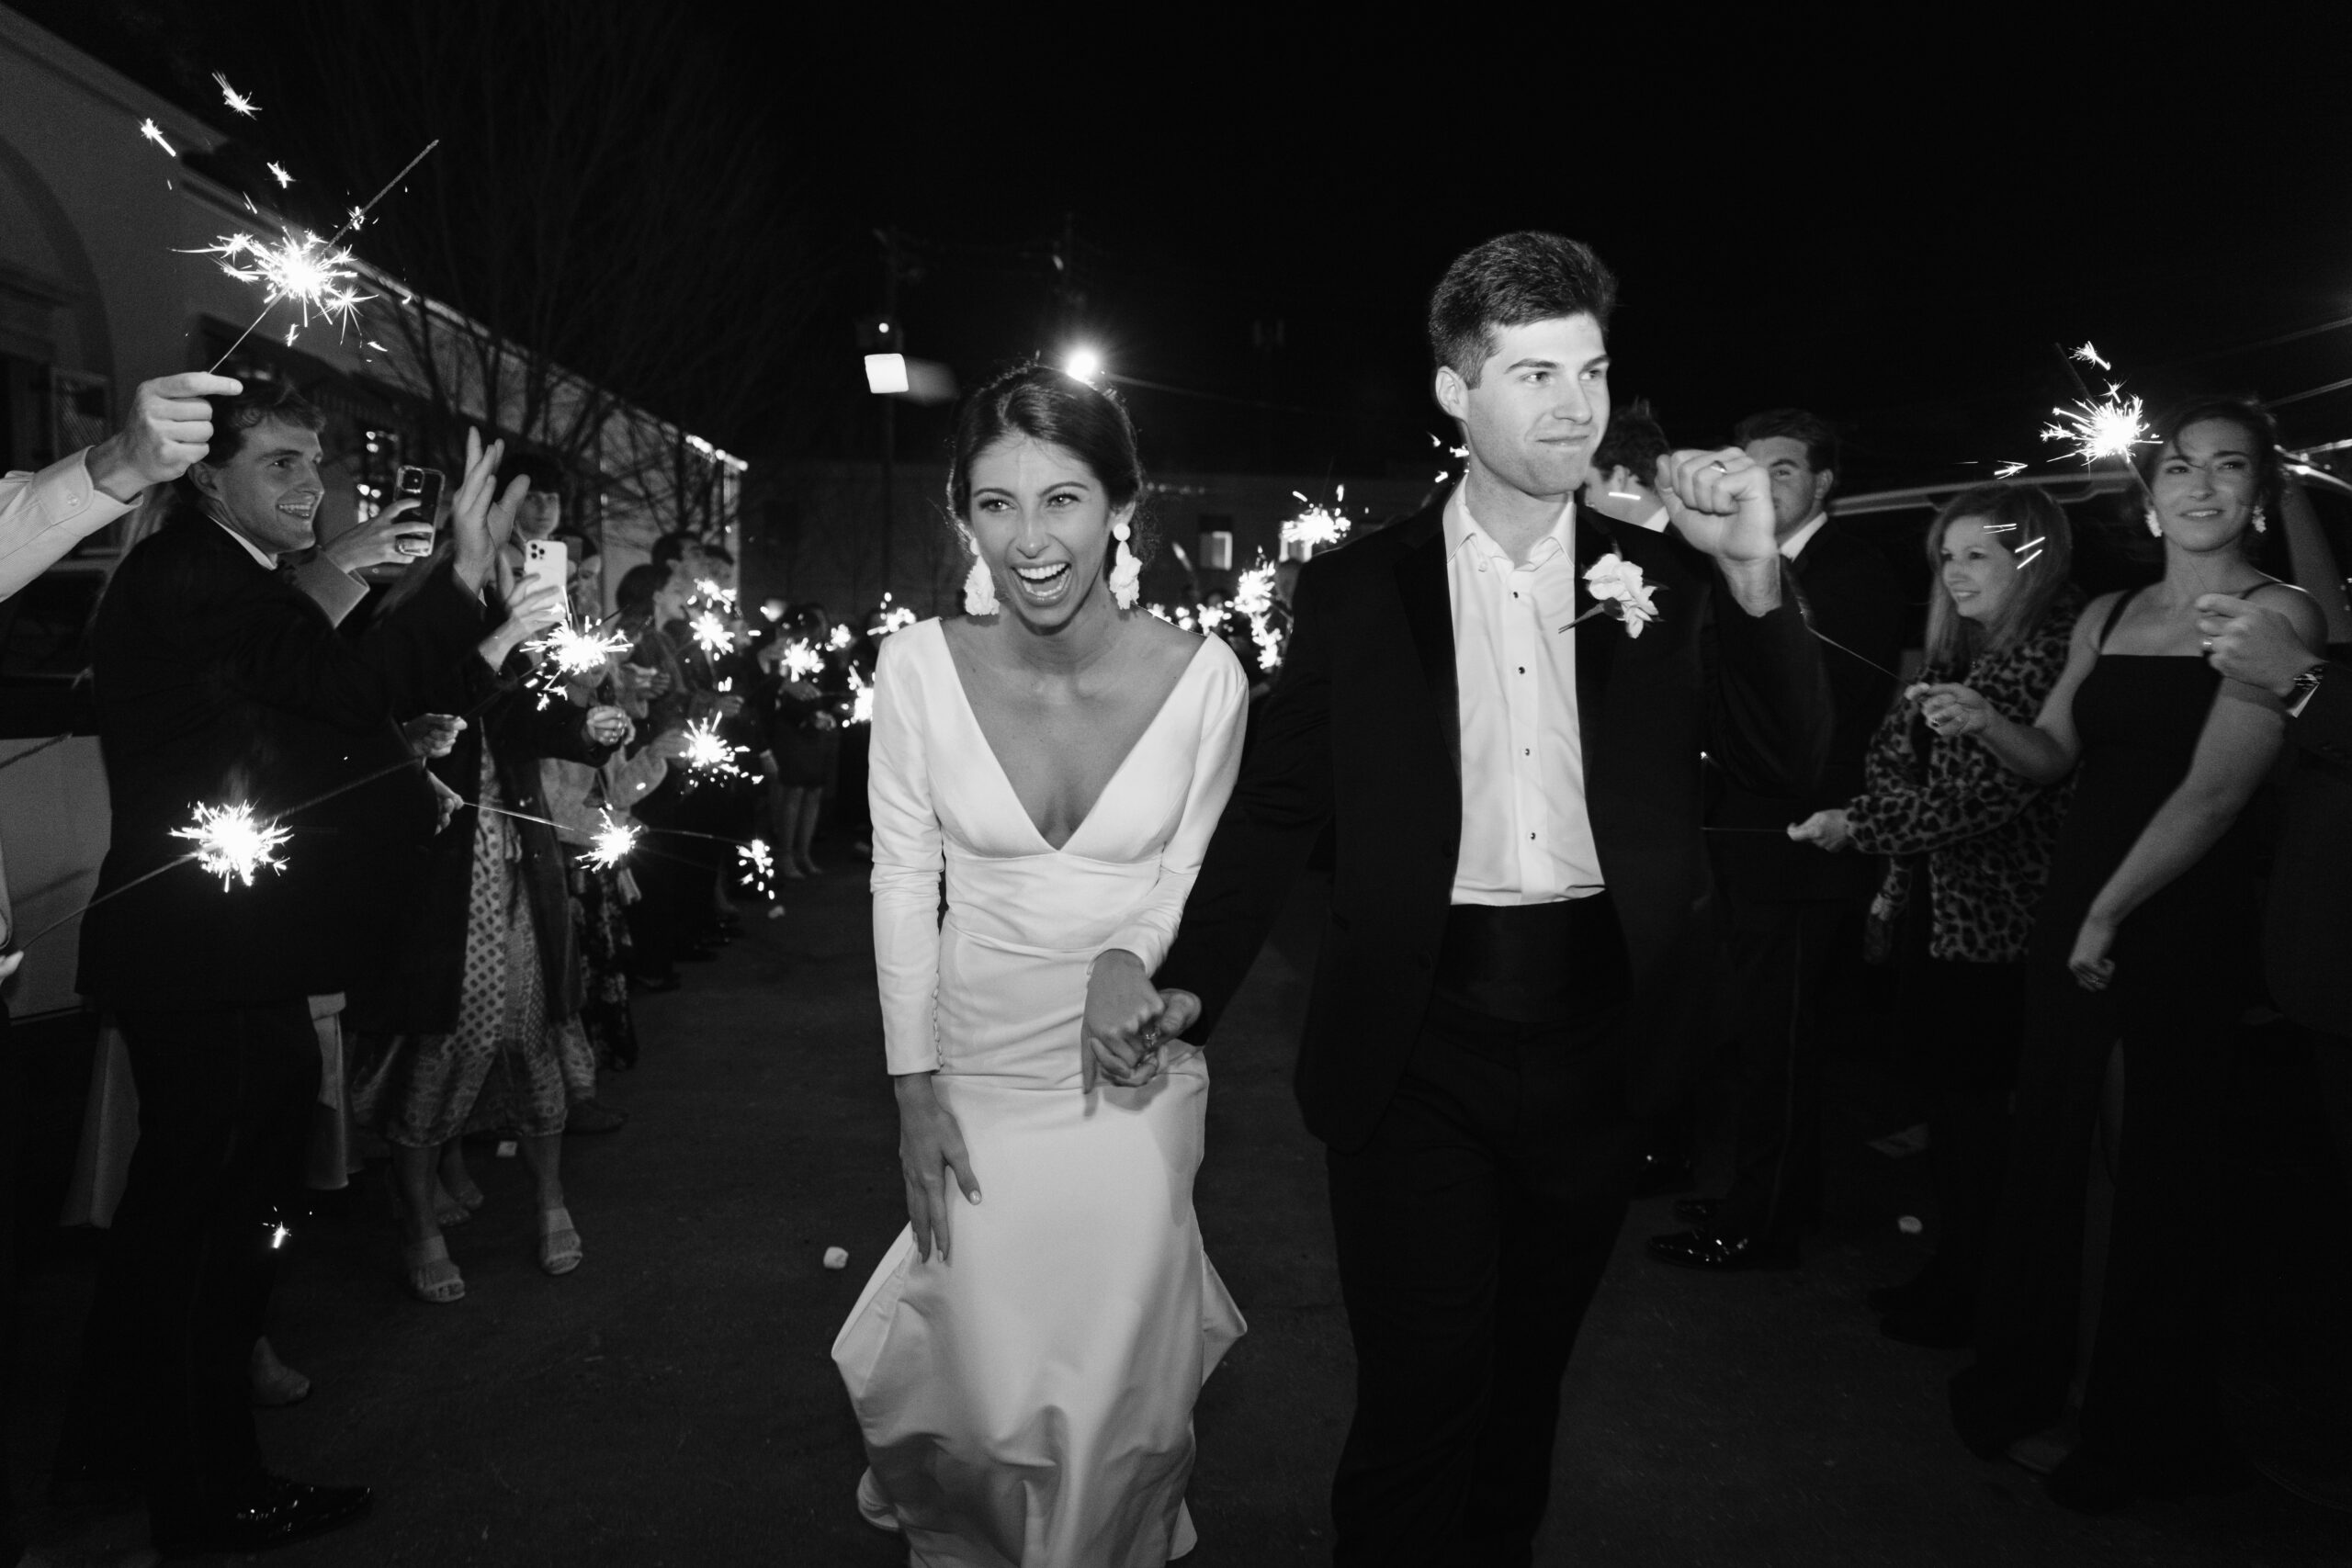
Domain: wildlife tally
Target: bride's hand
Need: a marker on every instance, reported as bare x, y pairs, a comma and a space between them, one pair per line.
931, 1145
1120, 1036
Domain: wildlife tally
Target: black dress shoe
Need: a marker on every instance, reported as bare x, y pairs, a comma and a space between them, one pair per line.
1719, 1254
274, 1512
1698, 1212
1657, 1175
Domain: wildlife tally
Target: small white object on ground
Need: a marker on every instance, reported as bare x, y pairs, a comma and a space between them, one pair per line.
1909, 1225
836, 1258
506, 1147
776, 912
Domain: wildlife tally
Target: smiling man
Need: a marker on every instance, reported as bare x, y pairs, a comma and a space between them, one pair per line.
218, 682
1522, 927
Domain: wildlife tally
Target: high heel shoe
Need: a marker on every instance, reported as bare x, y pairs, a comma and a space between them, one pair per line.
432, 1277
559, 1246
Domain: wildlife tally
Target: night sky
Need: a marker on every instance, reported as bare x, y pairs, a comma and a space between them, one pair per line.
1890, 220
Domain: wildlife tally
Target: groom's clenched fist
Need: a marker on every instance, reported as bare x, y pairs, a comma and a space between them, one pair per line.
1721, 502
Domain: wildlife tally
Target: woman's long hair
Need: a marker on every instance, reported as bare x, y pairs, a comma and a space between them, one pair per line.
2033, 528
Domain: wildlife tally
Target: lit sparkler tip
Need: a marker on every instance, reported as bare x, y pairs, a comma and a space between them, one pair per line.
235, 99
1316, 529
711, 634
2088, 355
757, 865
575, 652
283, 179
2007, 471
302, 270
802, 660
231, 843
154, 133
611, 844
707, 750
842, 636
2111, 427
861, 699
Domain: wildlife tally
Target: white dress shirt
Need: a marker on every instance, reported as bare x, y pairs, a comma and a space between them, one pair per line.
1526, 837
1794, 546
45, 514
262, 557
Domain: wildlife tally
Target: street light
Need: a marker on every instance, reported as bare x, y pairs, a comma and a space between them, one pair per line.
1083, 364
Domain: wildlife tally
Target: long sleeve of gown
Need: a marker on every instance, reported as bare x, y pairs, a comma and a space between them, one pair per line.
1151, 929
907, 864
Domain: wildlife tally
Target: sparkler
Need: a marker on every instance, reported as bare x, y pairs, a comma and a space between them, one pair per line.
756, 865
861, 699
235, 99
283, 179
710, 594
711, 633
2107, 427
230, 842
612, 843
154, 133
571, 651
708, 752
842, 636
802, 661
309, 270
2007, 471
893, 618
1316, 528
2088, 355
1254, 597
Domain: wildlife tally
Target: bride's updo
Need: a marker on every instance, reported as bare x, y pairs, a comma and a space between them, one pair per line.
1056, 409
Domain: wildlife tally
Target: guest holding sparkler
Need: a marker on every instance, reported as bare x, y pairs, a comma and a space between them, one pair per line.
649, 597
1969, 844
462, 1024
2138, 965
803, 735
1791, 912
218, 682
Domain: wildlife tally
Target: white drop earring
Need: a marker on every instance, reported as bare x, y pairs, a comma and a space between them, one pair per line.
2153, 527
2261, 522
979, 588
1127, 572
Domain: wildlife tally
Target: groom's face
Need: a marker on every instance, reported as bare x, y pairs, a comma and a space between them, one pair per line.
1539, 406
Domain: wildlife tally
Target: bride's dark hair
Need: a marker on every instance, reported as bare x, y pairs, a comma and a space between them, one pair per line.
1055, 407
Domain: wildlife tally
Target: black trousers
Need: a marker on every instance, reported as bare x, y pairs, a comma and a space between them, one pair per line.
225, 1098
1780, 955
1472, 1229
1963, 1022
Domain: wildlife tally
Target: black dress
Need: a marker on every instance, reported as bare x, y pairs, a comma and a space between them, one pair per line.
2181, 962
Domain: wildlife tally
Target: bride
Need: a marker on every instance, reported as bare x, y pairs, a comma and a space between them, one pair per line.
1024, 1369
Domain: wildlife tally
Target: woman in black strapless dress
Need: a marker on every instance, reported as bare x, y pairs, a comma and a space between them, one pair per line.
2144, 943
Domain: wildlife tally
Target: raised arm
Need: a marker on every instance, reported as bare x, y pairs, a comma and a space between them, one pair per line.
2313, 564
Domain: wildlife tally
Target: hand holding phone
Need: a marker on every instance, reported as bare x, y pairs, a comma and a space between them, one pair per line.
546, 563
421, 488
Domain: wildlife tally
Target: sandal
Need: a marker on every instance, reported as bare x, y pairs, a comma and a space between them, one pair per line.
432, 1277
454, 1208
559, 1248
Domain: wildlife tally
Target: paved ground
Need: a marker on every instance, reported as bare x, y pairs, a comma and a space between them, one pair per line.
672, 1403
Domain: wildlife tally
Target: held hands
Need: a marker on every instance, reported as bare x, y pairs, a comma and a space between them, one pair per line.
1826, 830
1952, 710
2252, 643
479, 526
609, 726
930, 1149
1121, 1034
169, 427
392, 537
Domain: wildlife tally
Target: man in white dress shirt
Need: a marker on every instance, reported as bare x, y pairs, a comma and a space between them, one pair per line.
1521, 936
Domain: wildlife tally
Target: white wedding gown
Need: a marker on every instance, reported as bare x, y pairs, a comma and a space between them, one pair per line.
1030, 1402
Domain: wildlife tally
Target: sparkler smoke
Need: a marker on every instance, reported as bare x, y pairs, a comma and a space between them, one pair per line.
755, 863
235, 99
2107, 427
231, 843
154, 133
711, 633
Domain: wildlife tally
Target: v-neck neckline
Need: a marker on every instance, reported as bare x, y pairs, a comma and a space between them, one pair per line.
972, 716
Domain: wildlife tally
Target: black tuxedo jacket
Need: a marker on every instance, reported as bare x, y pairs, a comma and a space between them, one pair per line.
2307, 945
1851, 594
1362, 731
218, 682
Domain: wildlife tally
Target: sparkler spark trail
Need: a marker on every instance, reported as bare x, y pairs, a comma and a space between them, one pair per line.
284, 179
231, 843
235, 99
2108, 427
756, 865
154, 133
2088, 355
2007, 471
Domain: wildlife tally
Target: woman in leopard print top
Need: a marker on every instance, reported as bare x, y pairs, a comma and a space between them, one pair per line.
1947, 812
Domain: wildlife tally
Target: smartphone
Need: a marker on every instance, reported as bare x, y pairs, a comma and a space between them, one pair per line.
547, 561
423, 486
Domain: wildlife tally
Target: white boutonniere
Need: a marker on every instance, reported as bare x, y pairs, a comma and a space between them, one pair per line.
1613, 580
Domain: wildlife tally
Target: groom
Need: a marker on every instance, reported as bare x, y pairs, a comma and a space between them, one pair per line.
1522, 933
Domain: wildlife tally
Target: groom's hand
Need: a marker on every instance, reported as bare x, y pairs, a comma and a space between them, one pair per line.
1721, 502
1120, 1036
1183, 1010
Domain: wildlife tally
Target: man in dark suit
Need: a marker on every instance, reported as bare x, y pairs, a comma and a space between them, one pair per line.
1521, 925
2307, 932
1791, 912
218, 682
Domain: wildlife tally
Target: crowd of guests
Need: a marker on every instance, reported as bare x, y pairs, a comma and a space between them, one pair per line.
2075, 835
438, 956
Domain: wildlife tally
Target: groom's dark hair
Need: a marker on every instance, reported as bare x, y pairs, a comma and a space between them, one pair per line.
1509, 281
